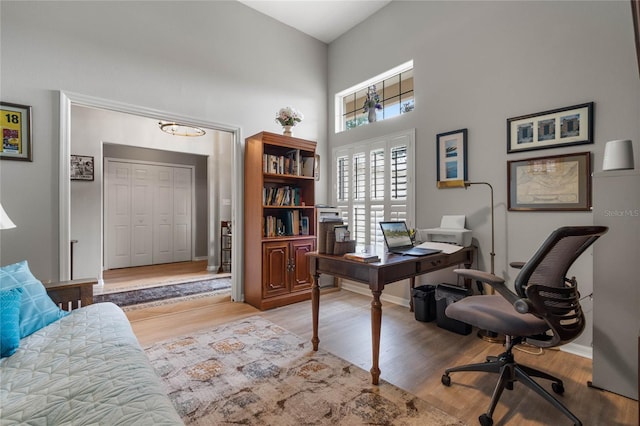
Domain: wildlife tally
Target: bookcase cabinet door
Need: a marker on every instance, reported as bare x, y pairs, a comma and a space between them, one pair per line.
300, 276
275, 268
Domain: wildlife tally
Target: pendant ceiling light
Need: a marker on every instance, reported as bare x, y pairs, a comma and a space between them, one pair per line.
177, 129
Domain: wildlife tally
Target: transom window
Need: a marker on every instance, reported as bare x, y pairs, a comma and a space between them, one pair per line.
389, 94
374, 183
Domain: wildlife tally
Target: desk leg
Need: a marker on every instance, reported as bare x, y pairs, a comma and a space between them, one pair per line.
315, 308
412, 285
376, 322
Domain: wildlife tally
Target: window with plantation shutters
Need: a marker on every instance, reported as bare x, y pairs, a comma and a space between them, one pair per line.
342, 178
374, 183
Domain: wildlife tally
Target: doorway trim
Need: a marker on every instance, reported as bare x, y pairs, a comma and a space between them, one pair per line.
67, 99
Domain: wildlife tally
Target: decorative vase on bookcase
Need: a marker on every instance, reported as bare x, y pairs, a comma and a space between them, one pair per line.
286, 130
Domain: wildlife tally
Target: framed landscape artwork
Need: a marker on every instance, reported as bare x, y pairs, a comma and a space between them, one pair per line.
555, 183
451, 154
550, 129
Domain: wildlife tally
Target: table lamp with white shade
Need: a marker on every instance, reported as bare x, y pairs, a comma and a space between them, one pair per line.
618, 155
5, 221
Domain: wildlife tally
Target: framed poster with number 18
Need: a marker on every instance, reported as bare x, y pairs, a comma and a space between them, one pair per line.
15, 123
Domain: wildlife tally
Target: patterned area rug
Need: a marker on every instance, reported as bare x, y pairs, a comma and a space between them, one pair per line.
253, 372
145, 297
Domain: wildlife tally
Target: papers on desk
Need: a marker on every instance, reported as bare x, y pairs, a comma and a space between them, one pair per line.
444, 247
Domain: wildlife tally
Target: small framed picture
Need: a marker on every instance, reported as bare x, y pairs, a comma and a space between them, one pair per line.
15, 124
555, 183
451, 154
81, 167
304, 225
550, 129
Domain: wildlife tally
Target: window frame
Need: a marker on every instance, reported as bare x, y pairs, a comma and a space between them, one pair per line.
372, 234
339, 97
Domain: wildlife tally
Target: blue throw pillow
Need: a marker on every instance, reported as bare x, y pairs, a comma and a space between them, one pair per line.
9, 321
36, 309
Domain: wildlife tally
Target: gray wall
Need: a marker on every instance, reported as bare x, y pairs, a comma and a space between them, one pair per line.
217, 61
477, 64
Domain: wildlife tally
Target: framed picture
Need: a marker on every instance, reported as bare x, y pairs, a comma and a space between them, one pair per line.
304, 225
549, 129
81, 167
556, 183
16, 132
451, 154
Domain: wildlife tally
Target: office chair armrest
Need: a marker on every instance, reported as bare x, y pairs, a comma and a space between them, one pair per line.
493, 280
485, 277
524, 306
517, 265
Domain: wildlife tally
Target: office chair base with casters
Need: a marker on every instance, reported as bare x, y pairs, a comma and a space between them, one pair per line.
511, 372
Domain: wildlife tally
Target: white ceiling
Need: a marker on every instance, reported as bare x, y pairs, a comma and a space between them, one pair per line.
324, 20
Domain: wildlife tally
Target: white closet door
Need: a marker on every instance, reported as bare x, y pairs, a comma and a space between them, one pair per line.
118, 230
143, 182
148, 214
163, 216
181, 214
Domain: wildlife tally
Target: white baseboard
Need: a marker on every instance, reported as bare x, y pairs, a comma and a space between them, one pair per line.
580, 350
361, 289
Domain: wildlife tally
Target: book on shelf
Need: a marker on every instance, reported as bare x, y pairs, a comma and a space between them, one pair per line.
362, 257
307, 166
294, 166
287, 224
289, 164
292, 222
281, 196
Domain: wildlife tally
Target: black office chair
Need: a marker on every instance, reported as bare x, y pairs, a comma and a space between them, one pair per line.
545, 311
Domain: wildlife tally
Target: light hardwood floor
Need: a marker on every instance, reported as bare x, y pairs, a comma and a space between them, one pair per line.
413, 356
143, 276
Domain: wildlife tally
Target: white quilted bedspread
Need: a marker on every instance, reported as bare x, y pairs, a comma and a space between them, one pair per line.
86, 368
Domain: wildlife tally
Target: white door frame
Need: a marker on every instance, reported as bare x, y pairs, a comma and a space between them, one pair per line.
67, 99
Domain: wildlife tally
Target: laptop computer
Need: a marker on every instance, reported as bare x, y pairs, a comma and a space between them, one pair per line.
398, 241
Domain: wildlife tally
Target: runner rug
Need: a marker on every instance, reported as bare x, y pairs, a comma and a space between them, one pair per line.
253, 372
150, 296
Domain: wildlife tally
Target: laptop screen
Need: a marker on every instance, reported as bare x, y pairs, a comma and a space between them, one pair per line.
396, 234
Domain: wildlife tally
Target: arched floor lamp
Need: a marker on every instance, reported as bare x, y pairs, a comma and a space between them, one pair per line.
489, 336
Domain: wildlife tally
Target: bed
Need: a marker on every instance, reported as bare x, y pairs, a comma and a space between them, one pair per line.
86, 367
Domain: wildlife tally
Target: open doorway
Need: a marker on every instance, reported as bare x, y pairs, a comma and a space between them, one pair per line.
76, 200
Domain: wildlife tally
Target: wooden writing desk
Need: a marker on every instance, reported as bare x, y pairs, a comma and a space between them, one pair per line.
390, 269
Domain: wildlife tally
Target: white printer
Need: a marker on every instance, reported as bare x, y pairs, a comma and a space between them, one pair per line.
451, 231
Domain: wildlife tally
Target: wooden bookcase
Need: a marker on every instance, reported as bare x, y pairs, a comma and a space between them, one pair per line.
279, 194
